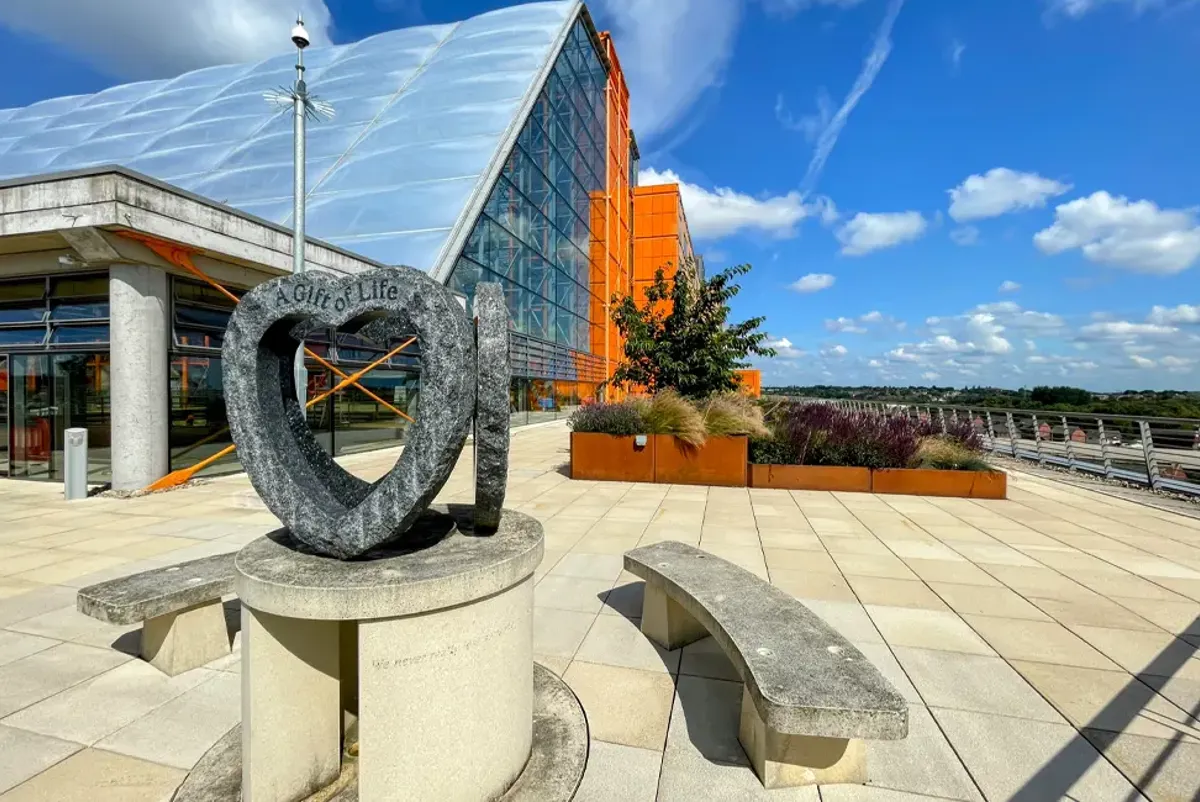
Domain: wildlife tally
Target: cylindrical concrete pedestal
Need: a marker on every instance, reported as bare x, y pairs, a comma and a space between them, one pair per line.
444, 665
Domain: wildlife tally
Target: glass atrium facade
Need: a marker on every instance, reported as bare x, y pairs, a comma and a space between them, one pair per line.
421, 119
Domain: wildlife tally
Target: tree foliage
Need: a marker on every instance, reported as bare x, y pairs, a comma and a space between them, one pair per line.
689, 347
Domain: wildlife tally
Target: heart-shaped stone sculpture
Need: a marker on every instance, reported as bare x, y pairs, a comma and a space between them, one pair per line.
324, 506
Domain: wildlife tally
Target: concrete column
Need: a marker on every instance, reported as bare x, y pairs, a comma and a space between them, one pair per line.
138, 375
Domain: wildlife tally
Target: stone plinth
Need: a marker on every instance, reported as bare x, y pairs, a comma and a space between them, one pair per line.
444, 652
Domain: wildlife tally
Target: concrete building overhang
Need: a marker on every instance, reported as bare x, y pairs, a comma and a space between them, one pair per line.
71, 221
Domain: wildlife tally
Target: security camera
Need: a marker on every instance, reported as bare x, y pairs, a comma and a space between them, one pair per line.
300, 35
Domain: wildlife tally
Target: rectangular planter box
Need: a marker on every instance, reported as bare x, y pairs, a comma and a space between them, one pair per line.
611, 458
811, 477
720, 461
924, 482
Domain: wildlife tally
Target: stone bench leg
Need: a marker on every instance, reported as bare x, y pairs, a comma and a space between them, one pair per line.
665, 622
784, 761
187, 639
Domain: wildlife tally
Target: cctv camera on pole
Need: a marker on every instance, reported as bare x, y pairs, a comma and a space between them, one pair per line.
303, 106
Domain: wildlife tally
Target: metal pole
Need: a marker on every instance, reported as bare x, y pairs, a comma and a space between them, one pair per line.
991, 430
1012, 432
299, 110
942, 418
1068, 443
1108, 469
1151, 462
1037, 440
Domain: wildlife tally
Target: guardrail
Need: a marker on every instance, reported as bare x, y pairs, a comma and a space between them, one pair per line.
1161, 453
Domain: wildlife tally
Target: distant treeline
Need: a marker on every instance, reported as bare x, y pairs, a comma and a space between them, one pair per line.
1140, 403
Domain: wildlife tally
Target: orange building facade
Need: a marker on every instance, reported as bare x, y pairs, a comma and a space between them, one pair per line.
635, 230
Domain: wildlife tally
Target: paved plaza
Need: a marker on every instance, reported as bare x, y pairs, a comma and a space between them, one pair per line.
1047, 644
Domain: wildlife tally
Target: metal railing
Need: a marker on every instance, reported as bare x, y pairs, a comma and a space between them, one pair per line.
1161, 453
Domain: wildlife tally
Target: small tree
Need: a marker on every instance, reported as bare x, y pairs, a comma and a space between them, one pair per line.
691, 347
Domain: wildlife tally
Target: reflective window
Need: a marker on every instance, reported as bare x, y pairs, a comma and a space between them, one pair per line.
533, 235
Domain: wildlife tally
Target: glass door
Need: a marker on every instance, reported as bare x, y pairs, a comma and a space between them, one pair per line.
33, 417
3, 415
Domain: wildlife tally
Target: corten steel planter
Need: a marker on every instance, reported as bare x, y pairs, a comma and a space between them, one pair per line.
811, 477
719, 461
926, 482
611, 458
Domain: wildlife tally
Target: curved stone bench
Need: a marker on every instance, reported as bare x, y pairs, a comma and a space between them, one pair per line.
180, 605
809, 697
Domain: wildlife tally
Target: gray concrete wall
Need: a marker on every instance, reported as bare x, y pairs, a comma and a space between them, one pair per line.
138, 375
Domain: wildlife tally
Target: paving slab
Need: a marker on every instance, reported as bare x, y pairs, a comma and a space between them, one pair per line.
973, 682
26, 754
1109, 700
50, 671
922, 763
618, 773
1167, 770
616, 641
1040, 641
98, 776
926, 629
623, 705
1018, 760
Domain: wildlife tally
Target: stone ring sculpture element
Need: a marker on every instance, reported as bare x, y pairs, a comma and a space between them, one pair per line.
491, 404
327, 508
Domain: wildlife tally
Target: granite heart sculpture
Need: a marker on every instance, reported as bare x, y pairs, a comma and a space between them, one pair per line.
327, 508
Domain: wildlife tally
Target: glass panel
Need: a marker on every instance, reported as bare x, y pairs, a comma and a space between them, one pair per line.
80, 311
77, 287
23, 314
361, 423
518, 402
33, 336
32, 434
534, 229
82, 400
80, 334
3, 415
199, 426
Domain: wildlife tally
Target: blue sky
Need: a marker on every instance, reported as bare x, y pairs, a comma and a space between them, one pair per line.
931, 191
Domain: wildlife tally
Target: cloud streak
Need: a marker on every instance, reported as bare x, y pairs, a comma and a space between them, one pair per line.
874, 62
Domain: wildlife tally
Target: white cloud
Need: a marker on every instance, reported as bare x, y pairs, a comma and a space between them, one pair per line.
1136, 235
1076, 9
813, 282
1013, 316
1176, 364
957, 49
784, 7
138, 39
835, 351
930, 375
999, 191
1124, 330
964, 235
671, 54
721, 211
874, 363
1141, 361
859, 325
784, 348
902, 355
874, 62
872, 232
1009, 286
1167, 316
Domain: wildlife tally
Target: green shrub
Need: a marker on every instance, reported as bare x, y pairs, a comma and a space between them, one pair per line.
771, 450
732, 414
947, 454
